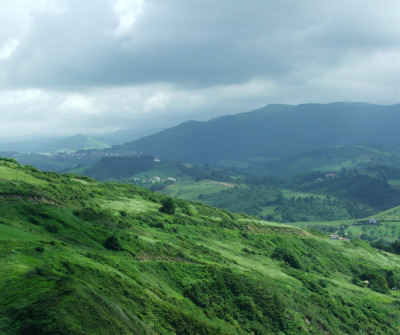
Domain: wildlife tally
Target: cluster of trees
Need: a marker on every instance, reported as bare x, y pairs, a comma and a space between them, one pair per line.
311, 209
252, 199
370, 190
381, 244
243, 199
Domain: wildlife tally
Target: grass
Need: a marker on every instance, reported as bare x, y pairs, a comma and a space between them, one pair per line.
394, 182
7, 174
338, 223
392, 214
387, 230
200, 270
9, 233
298, 194
130, 205
191, 190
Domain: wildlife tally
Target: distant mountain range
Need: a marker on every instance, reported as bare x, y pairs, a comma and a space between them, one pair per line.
125, 135
274, 132
278, 140
55, 145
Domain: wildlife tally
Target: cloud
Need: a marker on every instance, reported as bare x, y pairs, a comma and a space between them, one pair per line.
102, 43
121, 63
8, 48
128, 12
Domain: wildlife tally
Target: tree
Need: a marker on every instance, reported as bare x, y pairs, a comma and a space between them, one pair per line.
168, 206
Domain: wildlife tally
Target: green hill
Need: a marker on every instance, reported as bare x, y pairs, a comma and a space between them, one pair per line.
275, 131
311, 197
42, 162
54, 155
74, 143
331, 159
83, 257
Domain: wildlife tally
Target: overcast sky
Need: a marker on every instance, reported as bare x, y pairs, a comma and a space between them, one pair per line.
69, 66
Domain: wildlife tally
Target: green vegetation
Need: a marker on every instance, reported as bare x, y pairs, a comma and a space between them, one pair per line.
310, 197
168, 206
333, 159
83, 257
314, 196
191, 190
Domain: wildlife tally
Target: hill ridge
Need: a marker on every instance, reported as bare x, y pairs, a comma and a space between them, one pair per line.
274, 131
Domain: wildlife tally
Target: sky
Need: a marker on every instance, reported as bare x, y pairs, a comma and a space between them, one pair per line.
92, 66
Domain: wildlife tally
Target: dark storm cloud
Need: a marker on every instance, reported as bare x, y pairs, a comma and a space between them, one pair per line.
193, 42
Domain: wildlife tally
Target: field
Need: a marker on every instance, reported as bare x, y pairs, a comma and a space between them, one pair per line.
394, 182
298, 194
190, 190
386, 230
8, 233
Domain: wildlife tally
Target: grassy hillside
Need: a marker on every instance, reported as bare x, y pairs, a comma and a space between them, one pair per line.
192, 190
82, 257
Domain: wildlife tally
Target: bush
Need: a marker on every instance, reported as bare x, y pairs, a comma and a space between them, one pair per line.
168, 206
285, 254
377, 281
39, 249
52, 227
112, 243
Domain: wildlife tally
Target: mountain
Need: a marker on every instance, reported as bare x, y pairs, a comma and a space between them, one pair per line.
275, 131
54, 146
27, 146
75, 143
82, 257
126, 135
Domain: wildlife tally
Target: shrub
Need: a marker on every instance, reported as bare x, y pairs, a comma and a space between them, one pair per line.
168, 206
52, 227
39, 249
112, 243
285, 254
